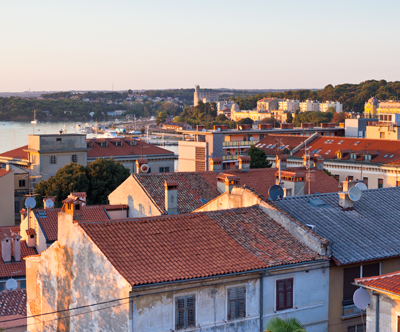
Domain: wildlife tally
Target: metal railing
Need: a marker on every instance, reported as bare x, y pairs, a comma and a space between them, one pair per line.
350, 309
239, 143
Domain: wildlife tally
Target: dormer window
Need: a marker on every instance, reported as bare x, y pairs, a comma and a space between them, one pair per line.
118, 143
103, 144
132, 143
353, 156
89, 144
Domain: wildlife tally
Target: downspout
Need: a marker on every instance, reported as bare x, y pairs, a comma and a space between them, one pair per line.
261, 302
376, 312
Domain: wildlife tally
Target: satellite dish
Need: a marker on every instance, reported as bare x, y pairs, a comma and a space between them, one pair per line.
144, 168
355, 194
361, 298
49, 203
11, 284
204, 129
218, 129
275, 192
30, 202
361, 185
251, 139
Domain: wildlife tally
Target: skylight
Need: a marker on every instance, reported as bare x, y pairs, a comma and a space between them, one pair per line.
385, 156
340, 142
316, 202
356, 143
327, 151
203, 201
391, 156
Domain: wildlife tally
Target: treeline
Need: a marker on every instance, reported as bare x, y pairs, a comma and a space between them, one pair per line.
108, 95
22, 109
352, 96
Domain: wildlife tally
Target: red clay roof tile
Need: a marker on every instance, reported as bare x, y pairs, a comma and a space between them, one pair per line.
389, 282
13, 302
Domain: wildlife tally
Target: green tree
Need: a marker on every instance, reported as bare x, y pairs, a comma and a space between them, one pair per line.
245, 121
338, 117
289, 118
312, 117
98, 179
258, 158
277, 324
161, 117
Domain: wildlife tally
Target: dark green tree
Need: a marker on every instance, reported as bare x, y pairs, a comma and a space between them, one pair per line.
245, 121
277, 324
289, 118
258, 158
161, 117
98, 179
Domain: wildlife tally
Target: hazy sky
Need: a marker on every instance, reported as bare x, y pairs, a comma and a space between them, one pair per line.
87, 44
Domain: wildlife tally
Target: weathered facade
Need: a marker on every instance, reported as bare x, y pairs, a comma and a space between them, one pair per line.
7, 217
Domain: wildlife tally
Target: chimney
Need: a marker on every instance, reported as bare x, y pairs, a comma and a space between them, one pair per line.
24, 213
281, 160
52, 198
139, 163
216, 164
31, 237
292, 183
344, 200
6, 248
306, 163
8, 168
17, 247
319, 162
82, 195
226, 182
244, 163
73, 206
171, 197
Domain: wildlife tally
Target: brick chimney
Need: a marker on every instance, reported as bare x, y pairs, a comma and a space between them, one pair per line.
31, 237
281, 160
6, 248
73, 206
16, 247
171, 197
53, 198
216, 164
244, 163
226, 182
139, 163
82, 195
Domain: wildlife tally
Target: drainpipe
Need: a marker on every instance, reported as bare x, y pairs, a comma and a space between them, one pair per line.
376, 312
261, 302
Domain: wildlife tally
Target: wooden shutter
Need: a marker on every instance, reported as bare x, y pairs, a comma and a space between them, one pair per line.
241, 302
180, 313
284, 294
190, 309
289, 293
232, 303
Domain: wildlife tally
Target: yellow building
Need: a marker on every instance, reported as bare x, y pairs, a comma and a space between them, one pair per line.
268, 104
374, 107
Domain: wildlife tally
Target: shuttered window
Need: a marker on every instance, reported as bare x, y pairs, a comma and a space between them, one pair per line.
185, 312
284, 294
236, 303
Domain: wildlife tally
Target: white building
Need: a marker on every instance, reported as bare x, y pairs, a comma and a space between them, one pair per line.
324, 107
309, 106
290, 105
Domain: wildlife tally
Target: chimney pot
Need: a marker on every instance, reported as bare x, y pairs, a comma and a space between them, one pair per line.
216, 164
17, 247
6, 248
244, 163
171, 197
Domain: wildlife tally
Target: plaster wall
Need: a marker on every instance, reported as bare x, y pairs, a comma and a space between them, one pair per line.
187, 155
118, 214
7, 216
383, 132
157, 312
132, 194
71, 273
389, 311
309, 307
40, 242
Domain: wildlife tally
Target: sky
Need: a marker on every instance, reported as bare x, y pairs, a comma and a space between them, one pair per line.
156, 44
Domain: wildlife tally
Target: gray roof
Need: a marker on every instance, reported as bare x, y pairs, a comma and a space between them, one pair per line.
369, 232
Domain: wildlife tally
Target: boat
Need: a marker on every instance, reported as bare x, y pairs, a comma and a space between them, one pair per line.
34, 121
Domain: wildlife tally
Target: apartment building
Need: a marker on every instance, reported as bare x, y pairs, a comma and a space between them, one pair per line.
267, 104
309, 106
374, 106
331, 105
289, 105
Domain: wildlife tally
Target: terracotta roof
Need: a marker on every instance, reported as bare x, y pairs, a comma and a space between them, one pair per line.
382, 151
30, 231
168, 248
192, 186
18, 153
49, 223
289, 141
3, 172
386, 282
7, 268
266, 99
13, 302
125, 150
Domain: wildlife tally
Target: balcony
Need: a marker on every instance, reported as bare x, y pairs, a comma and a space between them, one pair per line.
239, 143
350, 310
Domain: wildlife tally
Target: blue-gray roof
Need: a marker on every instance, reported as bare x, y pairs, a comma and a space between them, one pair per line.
371, 231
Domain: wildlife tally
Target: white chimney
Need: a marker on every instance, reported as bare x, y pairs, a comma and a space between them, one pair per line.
31, 237
244, 163
344, 200
226, 182
171, 197
17, 247
6, 248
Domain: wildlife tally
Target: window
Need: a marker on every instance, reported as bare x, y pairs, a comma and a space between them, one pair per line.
33, 159
77, 207
350, 178
365, 181
103, 144
327, 151
184, 312
382, 135
380, 183
22, 284
161, 169
53, 159
166, 169
337, 177
2, 286
16, 206
284, 294
21, 183
74, 158
58, 139
236, 303
356, 328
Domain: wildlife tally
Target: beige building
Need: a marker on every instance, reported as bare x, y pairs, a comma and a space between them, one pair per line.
289, 105
309, 106
387, 127
7, 206
251, 114
335, 105
204, 96
268, 104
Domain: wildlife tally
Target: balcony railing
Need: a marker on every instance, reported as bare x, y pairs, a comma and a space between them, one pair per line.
239, 143
350, 310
